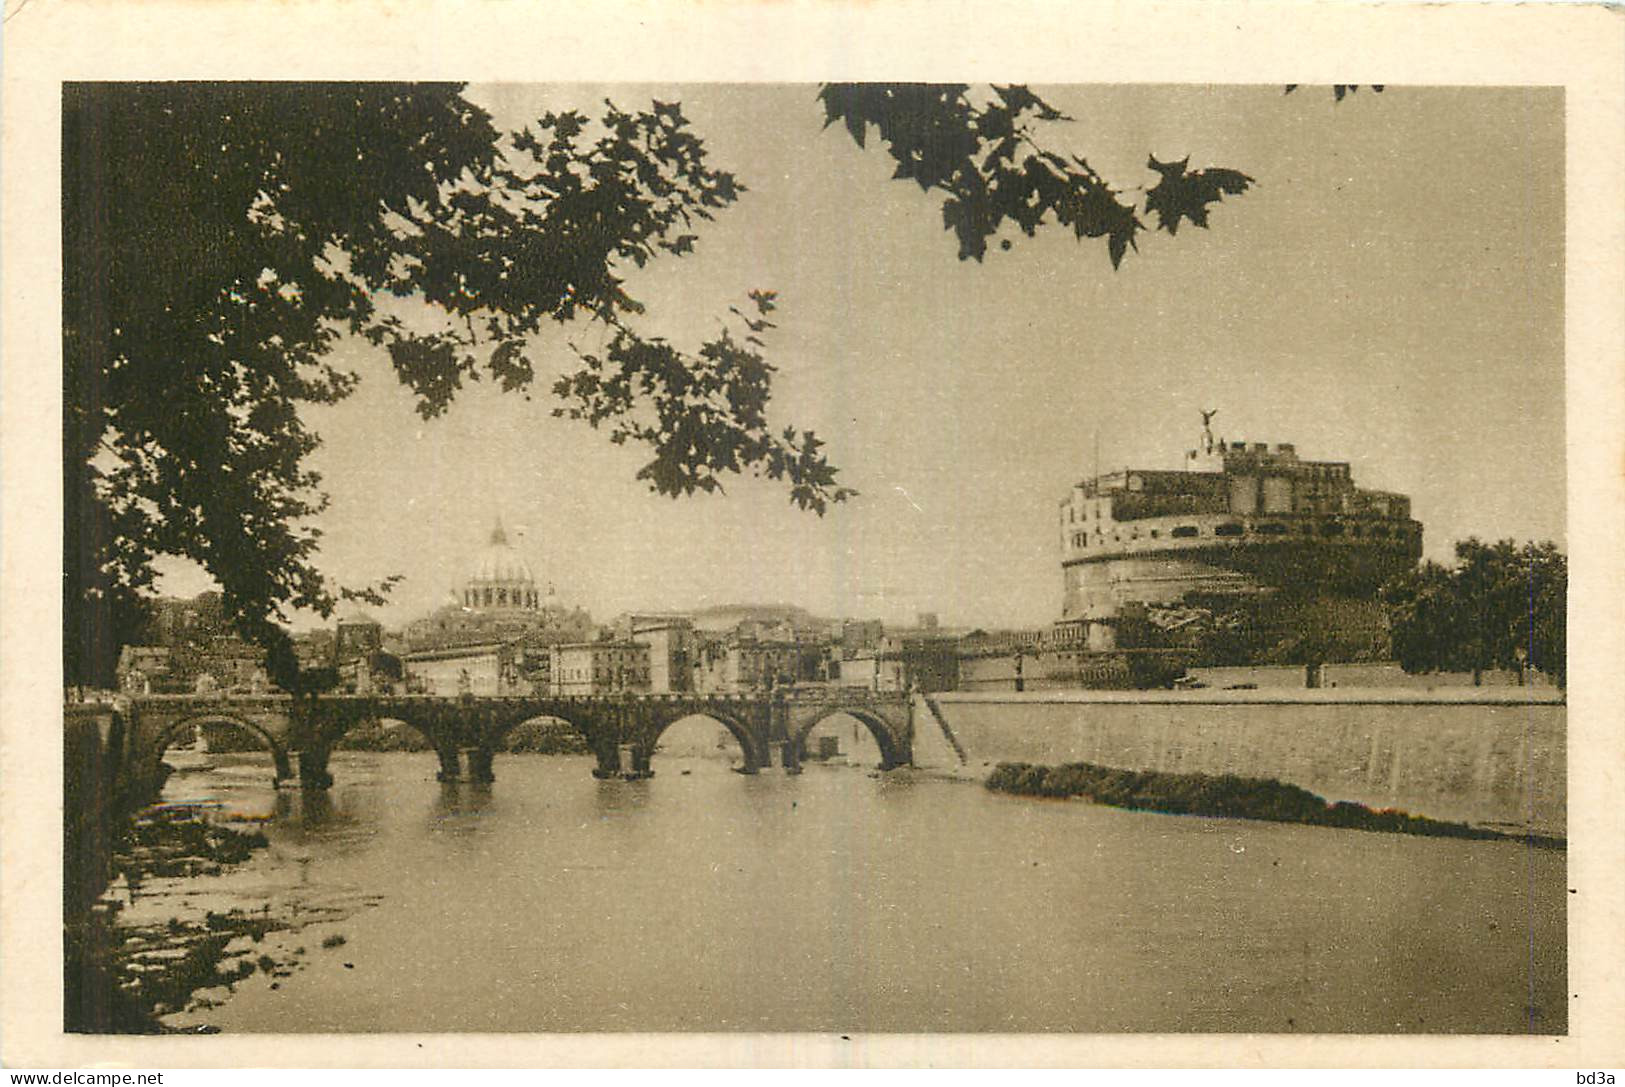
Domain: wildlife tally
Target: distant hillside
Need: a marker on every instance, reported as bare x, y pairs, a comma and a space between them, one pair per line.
727, 616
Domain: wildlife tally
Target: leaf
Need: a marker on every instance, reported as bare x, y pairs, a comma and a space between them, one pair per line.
1019, 99
751, 323
1186, 194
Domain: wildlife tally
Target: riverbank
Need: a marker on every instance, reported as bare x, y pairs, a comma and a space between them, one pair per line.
1225, 796
120, 979
146, 950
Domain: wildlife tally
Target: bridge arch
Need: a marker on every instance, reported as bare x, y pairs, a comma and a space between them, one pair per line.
443, 732
171, 732
891, 753
499, 735
390, 722
749, 743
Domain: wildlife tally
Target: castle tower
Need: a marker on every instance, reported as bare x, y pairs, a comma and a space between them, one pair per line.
1241, 520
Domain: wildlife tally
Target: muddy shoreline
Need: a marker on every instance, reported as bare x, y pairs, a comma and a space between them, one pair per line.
154, 946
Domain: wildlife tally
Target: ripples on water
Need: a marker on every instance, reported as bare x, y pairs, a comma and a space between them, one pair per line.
843, 901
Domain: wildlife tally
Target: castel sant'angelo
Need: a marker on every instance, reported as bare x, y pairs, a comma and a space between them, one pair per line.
1248, 553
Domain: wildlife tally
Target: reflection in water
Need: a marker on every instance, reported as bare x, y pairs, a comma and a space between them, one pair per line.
305, 809
458, 798
315, 814
611, 797
846, 901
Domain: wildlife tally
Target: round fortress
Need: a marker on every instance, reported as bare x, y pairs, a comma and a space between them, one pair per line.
1240, 520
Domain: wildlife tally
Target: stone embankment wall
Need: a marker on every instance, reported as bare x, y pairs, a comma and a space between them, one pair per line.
1361, 675
1495, 757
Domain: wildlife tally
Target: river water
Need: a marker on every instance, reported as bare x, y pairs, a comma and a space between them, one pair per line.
844, 901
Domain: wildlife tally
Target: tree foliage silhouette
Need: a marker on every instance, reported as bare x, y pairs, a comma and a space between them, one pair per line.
990, 163
219, 239
1500, 606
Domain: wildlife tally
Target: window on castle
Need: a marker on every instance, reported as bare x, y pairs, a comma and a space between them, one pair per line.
1229, 529
1184, 532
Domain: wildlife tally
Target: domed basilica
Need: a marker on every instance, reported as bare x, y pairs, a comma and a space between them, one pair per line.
499, 600
501, 580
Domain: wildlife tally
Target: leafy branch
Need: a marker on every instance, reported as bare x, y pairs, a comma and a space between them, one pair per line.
991, 168
702, 414
541, 238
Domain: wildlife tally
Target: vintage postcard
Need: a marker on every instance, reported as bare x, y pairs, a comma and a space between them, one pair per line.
812, 534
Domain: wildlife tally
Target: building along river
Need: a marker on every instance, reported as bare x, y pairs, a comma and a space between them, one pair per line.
841, 900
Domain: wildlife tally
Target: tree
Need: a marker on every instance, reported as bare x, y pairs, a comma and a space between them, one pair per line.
218, 239
1500, 606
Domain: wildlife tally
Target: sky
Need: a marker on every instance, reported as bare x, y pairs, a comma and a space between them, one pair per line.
1390, 294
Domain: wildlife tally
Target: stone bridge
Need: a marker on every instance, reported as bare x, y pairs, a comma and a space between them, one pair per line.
467, 732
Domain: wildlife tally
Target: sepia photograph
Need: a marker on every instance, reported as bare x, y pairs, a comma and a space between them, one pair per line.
783, 556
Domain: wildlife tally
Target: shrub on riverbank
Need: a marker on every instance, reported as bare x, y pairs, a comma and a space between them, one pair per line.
545, 738
1218, 795
378, 736
531, 738
174, 842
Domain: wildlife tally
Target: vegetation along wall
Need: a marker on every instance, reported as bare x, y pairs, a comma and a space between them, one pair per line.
1495, 757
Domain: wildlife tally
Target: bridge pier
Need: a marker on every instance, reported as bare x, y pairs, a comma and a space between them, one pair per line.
479, 761
451, 764
783, 753
283, 771
626, 761
313, 770
634, 761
